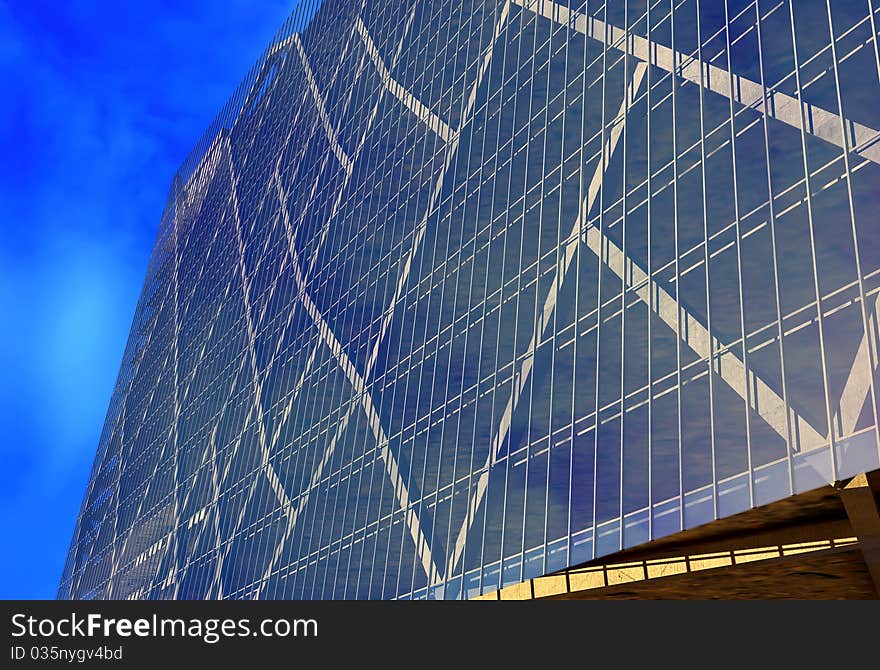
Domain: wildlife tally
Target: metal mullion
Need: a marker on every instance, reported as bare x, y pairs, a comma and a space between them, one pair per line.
116, 494
447, 276
461, 263
508, 29
681, 520
772, 221
426, 494
331, 303
540, 206
577, 289
155, 384
566, 35
519, 271
429, 294
704, 199
537, 274
623, 287
604, 163
874, 36
813, 259
738, 239
484, 301
318, 400
265, 99
650, 270
200, 495
327, 479
326, 482
388, 121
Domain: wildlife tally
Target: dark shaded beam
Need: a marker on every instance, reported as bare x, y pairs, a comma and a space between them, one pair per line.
859, 496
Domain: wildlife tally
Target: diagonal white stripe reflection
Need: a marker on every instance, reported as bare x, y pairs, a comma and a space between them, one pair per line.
321, 107
423, 113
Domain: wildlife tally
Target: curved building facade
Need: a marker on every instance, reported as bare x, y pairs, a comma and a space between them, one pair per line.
457, 294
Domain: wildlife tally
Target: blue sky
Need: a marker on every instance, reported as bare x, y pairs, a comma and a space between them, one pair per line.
100, 103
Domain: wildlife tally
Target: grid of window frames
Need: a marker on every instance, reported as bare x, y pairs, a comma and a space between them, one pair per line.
456, 294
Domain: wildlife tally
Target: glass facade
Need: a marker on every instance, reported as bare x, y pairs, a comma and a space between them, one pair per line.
455, 294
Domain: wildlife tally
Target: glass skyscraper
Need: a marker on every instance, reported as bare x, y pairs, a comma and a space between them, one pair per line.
456, 294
